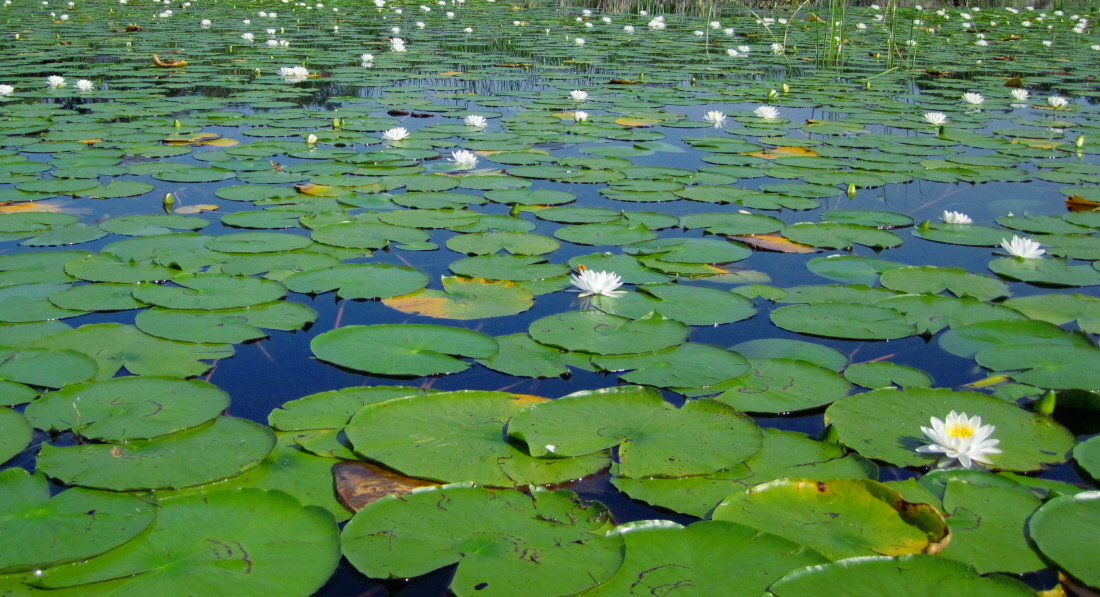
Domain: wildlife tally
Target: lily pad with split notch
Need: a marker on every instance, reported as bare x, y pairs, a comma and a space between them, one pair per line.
40, 531
782, 385
229, 446
843, 320
840, 236
257, 242
359, 280
521, 356
886, 425
228, 326
652, 435
210, 291
840, 518
1063, 529
1056, 272
490, 534
128, 408
465, 298
692, 305
45, 367
402, 349
934, 280
784, 454
689, 365
459, 436
603, 334
210, 540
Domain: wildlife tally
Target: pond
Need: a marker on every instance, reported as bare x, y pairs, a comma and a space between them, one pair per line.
490, 298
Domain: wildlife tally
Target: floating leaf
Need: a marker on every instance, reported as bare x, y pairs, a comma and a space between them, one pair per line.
45, 367
402, 349
229, 326
843, 320
686, 366
1062, 529
491, 535
210, 291
359, 280
465, 298
15, 434
600, 333
782, 386
933, 280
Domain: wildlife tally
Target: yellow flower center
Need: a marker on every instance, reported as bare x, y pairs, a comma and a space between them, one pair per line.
959, 430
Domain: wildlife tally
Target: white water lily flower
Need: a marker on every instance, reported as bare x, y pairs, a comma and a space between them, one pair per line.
6, 90
463, 159
272, 43
1057, 102
956, 217
628, 28
961, 438
475, 120
732, 53
396, 134
580, 116
205, 23
311, 139
716, 118
397, 45
744, 49
728, 31
767, 112
84, 85
981, 42
294, 74
1019, 94
597, 283
973, 99
247, 36
55, 81
935, 118
579, 41
1022, 247
366, 57
578, 96
777, 48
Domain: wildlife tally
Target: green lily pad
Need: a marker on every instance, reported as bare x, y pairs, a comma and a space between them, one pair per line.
781, 386
128, 408
491, 535
968, 340
1061, 309
969, 235
520, 355
45, 367
909, 575
114, 346
229, 326
1046, 271
1069, 368
850, 269
229, 446
882, 374
886, 425
692, 305
402, 349
97, 297
210, 291
359, 280
841, 518
686, 366
1087, 455
711, 557
1062, 529
615, 234
15, 434
784, 454
30, 302
149, 225
458, 436
931, 313
843, 320
600, 333
12, 393
211, 540
367, 235
840, 236
257, 242
105, 267
783, 348
39, 531
691, 250
465, 298
650, 432
933, 280
516, 243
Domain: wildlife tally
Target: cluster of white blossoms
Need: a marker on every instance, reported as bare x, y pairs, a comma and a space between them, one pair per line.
961, 438
657, 23
294, 74
397, 45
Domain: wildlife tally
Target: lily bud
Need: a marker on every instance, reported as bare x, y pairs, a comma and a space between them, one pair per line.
176, 123
336, 124
311, 139
772, 94
942, 134
851, 190
786, 88
1080, 142
167, 203
867, 85
1045, 405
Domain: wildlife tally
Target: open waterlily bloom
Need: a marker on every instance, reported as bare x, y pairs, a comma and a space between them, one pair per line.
767, 112
464, 159
580, 116
973, 99
956, 217
475, 120
960, 438
397, 45
1057, 102
84, 85
935, 118
716, 118
578, 96
311, 139
6, 90
1022, 247
396, 134
55, 81
1019, 94
597, 283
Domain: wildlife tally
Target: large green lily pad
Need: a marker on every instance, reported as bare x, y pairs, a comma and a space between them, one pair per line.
128, 408
841, 518
402, 349
359, 280
39, 531
600, 333
492, 535
459, 436
210, 291
228, 446
216, 543
15, 433
465, 298
1064, 529
886, 425
229, 326
654, 437
46, 367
